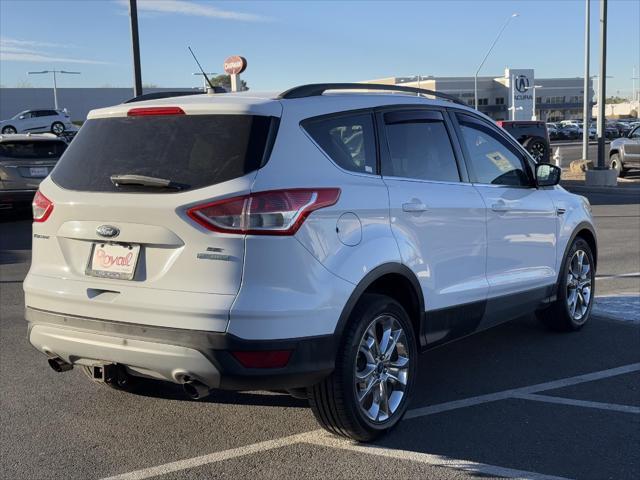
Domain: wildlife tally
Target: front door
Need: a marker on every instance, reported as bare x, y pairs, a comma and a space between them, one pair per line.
521, 219
438, 219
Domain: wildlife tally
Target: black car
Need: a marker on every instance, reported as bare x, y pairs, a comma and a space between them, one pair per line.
532, 135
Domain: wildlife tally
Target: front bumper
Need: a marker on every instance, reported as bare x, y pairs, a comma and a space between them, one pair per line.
174, 354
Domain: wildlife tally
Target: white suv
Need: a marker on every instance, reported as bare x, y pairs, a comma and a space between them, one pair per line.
54, 121
313, 241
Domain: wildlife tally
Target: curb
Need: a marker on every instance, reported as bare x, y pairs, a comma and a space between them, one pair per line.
620, 189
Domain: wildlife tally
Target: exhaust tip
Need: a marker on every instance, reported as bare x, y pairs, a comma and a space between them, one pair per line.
59, 365
195, 389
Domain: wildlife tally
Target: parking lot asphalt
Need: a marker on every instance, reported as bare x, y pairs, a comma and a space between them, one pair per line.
514, 401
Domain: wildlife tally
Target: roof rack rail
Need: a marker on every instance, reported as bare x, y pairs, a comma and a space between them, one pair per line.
316, 89
181, 93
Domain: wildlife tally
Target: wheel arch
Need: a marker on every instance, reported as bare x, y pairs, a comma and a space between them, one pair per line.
585, 231
396, 281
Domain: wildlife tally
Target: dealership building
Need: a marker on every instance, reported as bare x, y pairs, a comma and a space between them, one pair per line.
555, 98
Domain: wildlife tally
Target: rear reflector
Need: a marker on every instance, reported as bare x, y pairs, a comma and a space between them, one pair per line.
263, 359
274, 212
145, 111
42, 207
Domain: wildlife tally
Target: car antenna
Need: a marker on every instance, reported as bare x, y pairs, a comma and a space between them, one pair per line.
211, 88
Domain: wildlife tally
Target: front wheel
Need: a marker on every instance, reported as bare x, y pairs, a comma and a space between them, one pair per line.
572, 308
57, 128
8, 130
368, 392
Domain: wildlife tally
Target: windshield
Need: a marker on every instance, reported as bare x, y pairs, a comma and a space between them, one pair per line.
32, 149
191, 150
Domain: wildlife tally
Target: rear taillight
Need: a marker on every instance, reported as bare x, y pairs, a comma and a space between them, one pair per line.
146, 111
42, 207
275, 212
263, 359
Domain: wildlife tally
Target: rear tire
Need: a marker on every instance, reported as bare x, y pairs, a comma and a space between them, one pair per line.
572, 308
538, 149
365, 369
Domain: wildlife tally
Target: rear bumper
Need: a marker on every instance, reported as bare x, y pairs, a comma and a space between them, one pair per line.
173, 354
10, 198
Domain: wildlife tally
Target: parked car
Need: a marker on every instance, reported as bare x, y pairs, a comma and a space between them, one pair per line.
532, 135
54, 121
311, 242
624, 153
570, 131
24, 161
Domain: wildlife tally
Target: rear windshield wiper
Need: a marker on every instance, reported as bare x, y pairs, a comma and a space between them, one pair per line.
144, 181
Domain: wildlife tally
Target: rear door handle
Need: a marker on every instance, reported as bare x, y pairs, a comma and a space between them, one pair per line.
414, 207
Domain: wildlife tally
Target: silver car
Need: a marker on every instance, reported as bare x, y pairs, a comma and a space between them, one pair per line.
45, 120
25, 159
625, 152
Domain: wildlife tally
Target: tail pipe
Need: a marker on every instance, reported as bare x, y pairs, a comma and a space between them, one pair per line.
196, 389
59, 365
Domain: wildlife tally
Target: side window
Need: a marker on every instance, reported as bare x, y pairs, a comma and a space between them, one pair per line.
26, 115
493, 160
349, 140
419, 147
49, 113
636, 133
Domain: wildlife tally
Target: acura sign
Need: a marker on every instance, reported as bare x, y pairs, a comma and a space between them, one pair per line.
520, 83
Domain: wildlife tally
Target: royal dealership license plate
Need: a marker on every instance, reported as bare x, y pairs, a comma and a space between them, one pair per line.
113, 260
38, 172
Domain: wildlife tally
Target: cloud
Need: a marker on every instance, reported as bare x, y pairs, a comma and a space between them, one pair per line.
14, 50
184, 7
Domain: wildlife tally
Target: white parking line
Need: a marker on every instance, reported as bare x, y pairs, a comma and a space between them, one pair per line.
621, 275
214, 457
579, 403
429, 459
320, 437
492, 397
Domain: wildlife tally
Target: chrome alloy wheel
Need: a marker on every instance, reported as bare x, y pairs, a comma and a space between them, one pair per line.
579, 286
381, 368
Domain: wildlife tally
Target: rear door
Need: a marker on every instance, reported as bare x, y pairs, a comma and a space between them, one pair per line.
521, 219
438, 218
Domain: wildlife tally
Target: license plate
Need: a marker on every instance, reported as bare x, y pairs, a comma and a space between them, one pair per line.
113, 260
39, 172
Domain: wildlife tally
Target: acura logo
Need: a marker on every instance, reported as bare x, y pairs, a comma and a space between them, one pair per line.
108, 231
522, 83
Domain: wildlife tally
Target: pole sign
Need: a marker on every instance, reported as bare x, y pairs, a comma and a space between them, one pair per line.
235, 65
521, 91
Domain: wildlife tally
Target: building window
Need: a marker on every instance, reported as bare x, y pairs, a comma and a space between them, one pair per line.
483, 101
471, 102
499, 100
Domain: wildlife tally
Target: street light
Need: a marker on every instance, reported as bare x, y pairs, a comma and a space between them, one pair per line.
55, 86
533, 114
475, 78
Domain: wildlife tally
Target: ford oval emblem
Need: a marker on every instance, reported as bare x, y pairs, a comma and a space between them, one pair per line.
108, 231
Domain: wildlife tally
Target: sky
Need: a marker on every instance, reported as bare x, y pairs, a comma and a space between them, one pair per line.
294, 42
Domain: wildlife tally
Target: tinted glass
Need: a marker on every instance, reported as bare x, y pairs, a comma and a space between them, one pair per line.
32, 149
493, 159
420, 149
635, 133
349, 140
191, 150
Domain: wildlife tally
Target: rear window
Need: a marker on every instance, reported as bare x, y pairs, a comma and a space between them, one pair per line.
193, 151
29, 150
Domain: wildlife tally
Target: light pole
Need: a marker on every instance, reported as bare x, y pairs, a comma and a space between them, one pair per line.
586, 96
55, 86
475, 78
602, 85
135, 48
533, 112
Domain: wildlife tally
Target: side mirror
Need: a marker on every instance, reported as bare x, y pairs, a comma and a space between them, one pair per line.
21, 117
547, 175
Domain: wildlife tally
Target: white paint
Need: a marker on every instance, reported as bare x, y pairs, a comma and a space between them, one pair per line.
320, 437
429, 459
579, 403
621, 275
